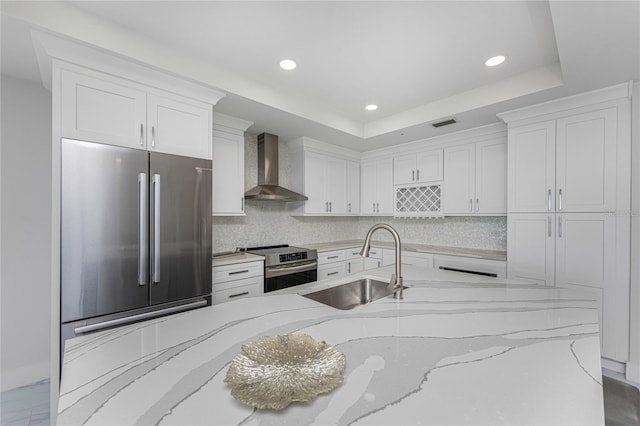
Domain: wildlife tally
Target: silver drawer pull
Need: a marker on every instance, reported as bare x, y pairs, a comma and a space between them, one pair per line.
332, 273
244, 293
239, 272
333, 257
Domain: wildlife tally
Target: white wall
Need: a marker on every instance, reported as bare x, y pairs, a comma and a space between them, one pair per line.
25, 232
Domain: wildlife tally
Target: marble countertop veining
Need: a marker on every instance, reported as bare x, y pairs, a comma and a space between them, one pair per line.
456, 350
420, 248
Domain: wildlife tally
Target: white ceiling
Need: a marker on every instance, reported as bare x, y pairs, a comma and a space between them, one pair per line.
420, 61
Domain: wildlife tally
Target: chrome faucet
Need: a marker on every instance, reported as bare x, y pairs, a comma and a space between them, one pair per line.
395, 283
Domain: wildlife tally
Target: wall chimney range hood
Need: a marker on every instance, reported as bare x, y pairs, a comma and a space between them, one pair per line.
268, 188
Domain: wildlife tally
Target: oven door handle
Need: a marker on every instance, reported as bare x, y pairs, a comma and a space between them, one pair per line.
278, 272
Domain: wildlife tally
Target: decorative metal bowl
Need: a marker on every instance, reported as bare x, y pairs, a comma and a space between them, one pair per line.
272, 372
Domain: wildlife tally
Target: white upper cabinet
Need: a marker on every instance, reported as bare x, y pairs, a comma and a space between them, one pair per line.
179, 126
106, 109
564, 165
228, 165
325, 184
475, 178
376, 187
353, 187
418, 168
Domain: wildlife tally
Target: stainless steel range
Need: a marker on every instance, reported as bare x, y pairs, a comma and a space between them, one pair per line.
286, 266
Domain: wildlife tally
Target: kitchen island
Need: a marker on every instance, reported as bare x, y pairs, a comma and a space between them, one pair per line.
458, 349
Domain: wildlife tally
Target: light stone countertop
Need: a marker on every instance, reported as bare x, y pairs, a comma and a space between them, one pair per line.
234, 258
420, 248
458, 349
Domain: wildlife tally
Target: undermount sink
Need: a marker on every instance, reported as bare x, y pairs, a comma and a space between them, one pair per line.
350, 295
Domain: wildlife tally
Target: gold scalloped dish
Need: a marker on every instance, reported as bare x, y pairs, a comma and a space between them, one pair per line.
272, 372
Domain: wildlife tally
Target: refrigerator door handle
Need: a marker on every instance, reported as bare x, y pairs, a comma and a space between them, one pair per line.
143, 247
155, 272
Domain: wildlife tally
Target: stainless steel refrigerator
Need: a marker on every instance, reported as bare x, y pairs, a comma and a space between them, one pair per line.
135, 235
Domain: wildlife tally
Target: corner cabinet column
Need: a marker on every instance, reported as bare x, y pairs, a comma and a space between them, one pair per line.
228, 165
569, 186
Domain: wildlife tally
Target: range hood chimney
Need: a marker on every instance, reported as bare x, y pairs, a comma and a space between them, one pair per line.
268, 188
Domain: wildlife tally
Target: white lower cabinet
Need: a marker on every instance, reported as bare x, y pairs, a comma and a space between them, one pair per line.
332, 270
578, 251
231, 282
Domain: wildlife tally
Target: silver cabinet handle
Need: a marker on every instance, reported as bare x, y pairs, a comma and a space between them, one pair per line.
244, 271
549, 225
349, 207
348, 267
378, 263
242, 204
244, 293
559, 226
470, 205
142, 229
418, 174
477, 205
326, 207
333, 257
141, 135
549, 200
374, 207
377, 207
155, 274
560, 199
153, 137
413, 175
330, 207
332, 273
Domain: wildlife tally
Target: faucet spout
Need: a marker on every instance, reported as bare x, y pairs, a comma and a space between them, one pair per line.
395, 283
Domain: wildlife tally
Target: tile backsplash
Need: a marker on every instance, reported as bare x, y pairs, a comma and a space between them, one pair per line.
268, 222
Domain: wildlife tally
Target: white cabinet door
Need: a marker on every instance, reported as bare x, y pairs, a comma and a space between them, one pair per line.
179, 127
429, 166
353, 187
458, 191
228, 174
491, 177
355, 265
384, 204
586, 260
368, 187
586, 162
531, 168
404, 169
314, 170
372, 263
531, 247
102, 111
332, 270
335, 181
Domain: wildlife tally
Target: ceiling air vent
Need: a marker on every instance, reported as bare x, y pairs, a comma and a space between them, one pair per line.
444, 123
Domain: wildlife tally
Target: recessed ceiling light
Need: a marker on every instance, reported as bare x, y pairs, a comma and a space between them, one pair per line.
287, 64
496, 60
371, 107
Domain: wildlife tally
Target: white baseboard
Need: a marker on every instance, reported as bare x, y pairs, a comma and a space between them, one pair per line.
612, 365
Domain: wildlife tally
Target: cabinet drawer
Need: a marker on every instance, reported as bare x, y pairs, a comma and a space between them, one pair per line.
331, 257
424, 260
353, 253
334, 270
372, 263
238, 271
375, 252
242, 288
